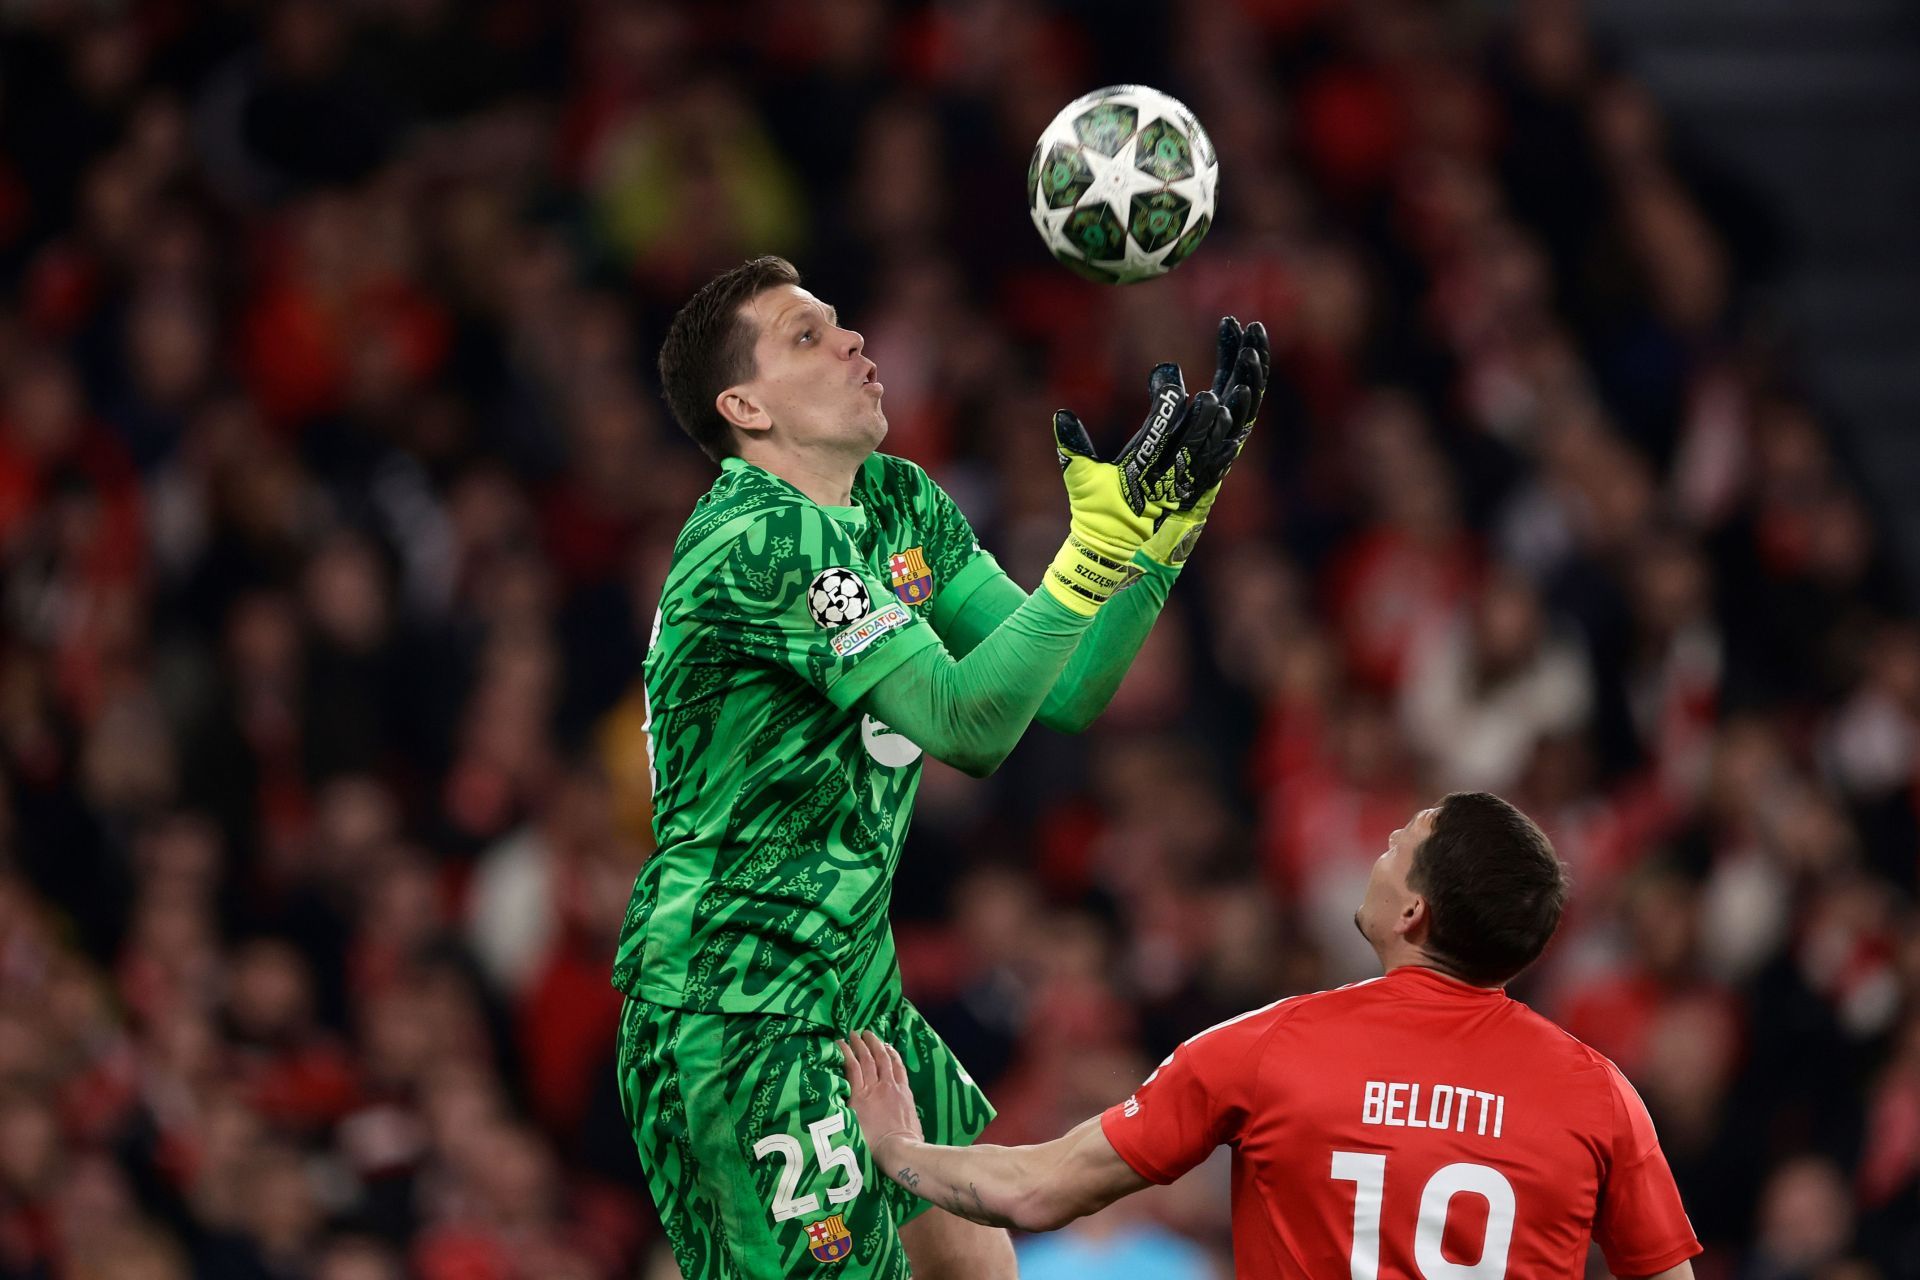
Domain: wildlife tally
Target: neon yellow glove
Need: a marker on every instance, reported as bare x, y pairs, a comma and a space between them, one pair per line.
1113, 504
1198, 462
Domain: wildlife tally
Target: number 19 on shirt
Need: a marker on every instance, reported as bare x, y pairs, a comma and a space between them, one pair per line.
1368, 1172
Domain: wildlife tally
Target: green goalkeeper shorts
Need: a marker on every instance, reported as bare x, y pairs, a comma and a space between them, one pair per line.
752, 1150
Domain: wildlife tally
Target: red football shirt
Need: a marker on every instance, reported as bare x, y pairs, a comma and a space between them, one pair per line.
1412, 1126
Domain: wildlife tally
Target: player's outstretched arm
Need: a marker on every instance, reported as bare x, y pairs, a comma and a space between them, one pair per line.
971, 712
1186, 478
1036, 1188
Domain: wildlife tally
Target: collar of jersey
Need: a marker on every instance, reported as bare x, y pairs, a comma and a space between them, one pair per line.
853, 516
1435, 980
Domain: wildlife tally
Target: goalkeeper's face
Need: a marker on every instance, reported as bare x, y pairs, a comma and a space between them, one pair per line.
1391, 909
813, 388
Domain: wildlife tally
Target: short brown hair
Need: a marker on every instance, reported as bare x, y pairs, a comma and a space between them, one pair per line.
709, 347
1493, 884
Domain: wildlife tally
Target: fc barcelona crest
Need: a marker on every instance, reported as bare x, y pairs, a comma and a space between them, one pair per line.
829, 1239
912, 579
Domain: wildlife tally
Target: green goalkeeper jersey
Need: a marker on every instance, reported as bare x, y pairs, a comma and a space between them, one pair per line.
779, 808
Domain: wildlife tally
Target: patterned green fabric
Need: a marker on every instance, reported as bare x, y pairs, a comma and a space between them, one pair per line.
779, 811
1094, 673
750, 1147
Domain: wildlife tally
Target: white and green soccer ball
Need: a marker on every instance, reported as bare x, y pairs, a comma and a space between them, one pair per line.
1122, 184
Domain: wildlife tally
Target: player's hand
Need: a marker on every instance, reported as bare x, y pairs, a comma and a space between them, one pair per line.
1207, 449
1240, 382
882, 1098
1147, 461
1244, 359
1117, 505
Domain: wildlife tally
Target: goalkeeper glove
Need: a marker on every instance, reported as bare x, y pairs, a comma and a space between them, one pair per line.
1115, 504
1198, 462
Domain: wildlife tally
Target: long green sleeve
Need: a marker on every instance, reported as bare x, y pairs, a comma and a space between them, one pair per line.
971, 711
1098, 665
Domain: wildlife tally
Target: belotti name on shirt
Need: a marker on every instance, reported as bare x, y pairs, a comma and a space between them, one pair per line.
1434, 1106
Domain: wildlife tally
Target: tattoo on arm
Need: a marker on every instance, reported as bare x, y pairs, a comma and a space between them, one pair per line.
968, 1204
965, 1202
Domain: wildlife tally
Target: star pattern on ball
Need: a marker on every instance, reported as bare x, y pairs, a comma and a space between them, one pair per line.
1111, 217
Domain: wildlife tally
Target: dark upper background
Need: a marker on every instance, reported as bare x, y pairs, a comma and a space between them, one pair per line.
335, 494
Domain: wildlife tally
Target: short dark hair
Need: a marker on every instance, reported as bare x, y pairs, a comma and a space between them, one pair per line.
1493, 884
709, 347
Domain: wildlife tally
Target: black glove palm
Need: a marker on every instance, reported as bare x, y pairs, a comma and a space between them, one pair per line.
1199, 460
1207, 452
1149, 460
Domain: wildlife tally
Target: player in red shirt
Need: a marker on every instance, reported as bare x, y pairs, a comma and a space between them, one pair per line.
1421, 1124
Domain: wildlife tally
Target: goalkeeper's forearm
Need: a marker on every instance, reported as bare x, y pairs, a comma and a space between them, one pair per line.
1093, 674
971, 712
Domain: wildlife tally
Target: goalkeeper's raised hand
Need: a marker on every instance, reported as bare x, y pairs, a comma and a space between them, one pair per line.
1117, 505
1198, 462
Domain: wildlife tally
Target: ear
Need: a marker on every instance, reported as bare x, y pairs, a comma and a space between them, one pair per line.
1413, 920
742, 410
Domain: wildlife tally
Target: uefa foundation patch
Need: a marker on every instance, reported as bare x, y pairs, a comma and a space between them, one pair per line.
851, 640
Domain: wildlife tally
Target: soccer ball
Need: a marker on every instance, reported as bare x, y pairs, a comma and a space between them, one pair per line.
837, 597
1122, 184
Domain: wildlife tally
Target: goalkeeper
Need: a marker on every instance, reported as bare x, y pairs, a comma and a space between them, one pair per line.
827, 618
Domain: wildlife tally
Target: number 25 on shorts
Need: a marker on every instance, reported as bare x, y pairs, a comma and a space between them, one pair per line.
787, 1147
1368, 1172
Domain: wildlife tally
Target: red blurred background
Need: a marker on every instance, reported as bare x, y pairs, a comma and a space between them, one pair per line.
335, 493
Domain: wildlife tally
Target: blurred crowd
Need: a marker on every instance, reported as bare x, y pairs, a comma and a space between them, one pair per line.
335, 497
